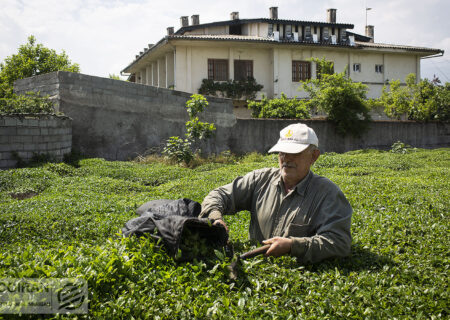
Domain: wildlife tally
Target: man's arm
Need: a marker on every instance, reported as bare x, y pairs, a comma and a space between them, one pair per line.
229, 198
333, 237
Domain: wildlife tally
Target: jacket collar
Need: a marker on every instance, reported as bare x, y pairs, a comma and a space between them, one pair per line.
300, 187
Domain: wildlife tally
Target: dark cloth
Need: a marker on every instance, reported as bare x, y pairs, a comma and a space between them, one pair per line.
167, 219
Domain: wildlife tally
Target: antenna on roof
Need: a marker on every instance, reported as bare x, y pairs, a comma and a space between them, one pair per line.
367, 9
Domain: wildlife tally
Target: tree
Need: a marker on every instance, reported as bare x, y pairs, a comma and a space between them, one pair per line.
423, 101
32, 59
343, 101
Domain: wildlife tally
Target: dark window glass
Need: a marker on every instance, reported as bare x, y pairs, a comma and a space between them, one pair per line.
243, 69
218, 69
236, 29
301, 70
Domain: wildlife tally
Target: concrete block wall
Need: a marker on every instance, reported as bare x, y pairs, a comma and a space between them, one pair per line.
119, 120
24, 136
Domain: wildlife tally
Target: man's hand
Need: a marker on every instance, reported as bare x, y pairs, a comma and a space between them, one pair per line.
220, 222
279, 246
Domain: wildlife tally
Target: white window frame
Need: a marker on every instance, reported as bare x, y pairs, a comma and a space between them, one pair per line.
357, 67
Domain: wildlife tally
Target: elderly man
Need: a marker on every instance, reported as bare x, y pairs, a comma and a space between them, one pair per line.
296, 211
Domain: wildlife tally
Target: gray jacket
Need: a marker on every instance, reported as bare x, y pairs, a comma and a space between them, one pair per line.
315, 214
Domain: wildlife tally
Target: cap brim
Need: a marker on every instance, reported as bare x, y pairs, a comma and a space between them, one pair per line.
287, 147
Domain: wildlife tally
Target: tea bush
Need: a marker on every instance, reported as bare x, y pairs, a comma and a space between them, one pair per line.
70, 228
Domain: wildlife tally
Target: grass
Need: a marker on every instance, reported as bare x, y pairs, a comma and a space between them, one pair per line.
60, 221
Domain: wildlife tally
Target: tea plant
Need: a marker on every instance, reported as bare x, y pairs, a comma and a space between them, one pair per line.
71, 228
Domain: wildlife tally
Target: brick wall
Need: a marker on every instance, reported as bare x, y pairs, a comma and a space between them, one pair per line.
24, 136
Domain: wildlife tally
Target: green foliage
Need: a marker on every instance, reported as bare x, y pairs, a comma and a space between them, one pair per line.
400, 147
423, 101
179, 150
280, 108
343, 101
114, 76
397, 269
183, 150
31, 60
237, 90
31, 102
323, 66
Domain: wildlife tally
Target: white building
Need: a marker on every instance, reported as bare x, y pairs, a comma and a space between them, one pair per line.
273, 51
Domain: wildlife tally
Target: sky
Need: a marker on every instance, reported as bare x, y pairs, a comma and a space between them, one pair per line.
103, 36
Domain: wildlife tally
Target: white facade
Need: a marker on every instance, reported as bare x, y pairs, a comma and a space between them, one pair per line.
180, 60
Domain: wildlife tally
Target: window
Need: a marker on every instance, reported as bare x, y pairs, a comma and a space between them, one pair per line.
343, 35
307, 32
325, 33
218, 69
243, 69
236, 29
357, 67
379, 68
270, 32
288, 30
301, 70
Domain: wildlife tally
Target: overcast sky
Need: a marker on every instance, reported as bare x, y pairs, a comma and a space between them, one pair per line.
103, 36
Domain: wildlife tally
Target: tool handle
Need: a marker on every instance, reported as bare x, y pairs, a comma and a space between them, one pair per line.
255, 252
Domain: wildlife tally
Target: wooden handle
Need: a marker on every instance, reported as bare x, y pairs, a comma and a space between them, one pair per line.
255, 252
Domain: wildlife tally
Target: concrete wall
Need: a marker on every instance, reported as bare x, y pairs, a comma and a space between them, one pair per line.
118, 120
29, 135
261, 134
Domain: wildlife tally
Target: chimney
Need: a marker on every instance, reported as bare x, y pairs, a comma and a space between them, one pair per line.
195, 19
331, 15
234, 15
273, 12
184, 21
170, 31
370, 32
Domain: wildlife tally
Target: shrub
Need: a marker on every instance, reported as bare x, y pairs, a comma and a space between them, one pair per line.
182, 150
280, 108
343, 101
244, 90
423, 101
29, 103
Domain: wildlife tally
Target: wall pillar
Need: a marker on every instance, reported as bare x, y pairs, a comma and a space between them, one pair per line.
143, 76
162, 73
170, 70
154, 74
148, 75
276, 86
189, 69
231, 63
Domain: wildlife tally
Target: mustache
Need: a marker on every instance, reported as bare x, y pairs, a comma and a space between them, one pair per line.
288, 165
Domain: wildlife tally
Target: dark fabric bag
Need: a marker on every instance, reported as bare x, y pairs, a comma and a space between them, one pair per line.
167, 219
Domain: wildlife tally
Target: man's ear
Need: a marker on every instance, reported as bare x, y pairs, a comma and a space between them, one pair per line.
315, 156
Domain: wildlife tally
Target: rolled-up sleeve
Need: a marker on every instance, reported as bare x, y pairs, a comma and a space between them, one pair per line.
230, 198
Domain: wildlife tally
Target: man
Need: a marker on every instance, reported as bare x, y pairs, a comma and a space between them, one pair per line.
296, 211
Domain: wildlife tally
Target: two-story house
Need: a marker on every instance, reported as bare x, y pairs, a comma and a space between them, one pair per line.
274, 51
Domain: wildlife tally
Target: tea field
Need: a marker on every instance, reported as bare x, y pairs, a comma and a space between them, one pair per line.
63, 221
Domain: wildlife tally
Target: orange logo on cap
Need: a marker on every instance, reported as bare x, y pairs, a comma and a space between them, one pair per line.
288, 134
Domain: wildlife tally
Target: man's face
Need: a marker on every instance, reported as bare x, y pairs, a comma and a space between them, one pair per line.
295, 166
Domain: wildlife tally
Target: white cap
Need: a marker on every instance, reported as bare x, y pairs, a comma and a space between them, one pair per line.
295, 138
